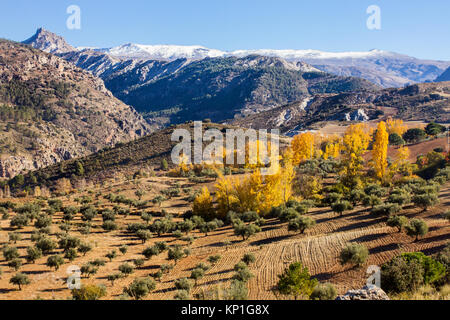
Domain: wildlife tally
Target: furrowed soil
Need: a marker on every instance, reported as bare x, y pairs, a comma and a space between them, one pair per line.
274, 248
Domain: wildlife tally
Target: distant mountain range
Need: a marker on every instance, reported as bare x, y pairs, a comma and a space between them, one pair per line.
387, 69
172, 84
52, 110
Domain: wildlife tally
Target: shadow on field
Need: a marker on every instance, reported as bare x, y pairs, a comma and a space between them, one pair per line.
360, 224
441, 237
54, 290
370, 237
220, 272
384, 248
2, 291
434, 250
269, 240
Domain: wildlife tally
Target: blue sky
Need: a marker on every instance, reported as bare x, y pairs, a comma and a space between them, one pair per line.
417, 28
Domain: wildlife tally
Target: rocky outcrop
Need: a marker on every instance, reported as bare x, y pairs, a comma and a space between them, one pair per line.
49, 42
366, 293
57, 111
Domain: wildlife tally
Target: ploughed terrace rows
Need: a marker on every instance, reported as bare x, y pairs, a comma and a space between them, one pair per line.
274, 249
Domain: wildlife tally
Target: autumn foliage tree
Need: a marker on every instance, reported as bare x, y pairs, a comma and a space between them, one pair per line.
379, 152
303, 147
355, 143
203, 205
396, 126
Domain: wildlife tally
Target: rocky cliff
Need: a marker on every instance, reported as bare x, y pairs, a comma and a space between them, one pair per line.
50, 110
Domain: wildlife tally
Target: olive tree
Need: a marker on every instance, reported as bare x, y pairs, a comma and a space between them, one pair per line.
354, 253
296, 281
416, 228
20, 279
140, 288
55, 262
398, 222
301, 224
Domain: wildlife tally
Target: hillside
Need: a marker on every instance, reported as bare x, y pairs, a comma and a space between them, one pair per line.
168, 90
51, 110
445, 76
125, 159
274, 248
223, 88
422, 102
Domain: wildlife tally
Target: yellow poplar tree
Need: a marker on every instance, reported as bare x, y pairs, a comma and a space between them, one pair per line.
279, 187
380, 148
203, 205
303, 147
332, 150
396, 126
354, 144
225, 194
401, 163
248, 192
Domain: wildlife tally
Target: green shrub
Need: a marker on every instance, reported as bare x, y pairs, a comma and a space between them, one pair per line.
126, 269
354, 253
301, 224
33, 254
10, 253
20, 280
325, 291
184, 284
181, 295
89, 292
410, 271
55, 262
296, 281
248, 258
386, 209
398, 222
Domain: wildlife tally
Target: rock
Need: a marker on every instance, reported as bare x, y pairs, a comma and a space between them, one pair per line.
357, 115
366, 293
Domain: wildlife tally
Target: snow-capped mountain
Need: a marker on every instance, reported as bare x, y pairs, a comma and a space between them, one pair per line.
388, 69
49, 42
173, 52
162, 52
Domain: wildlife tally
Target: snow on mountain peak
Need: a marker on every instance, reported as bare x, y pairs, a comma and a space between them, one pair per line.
310, 54
163, 52
173, 52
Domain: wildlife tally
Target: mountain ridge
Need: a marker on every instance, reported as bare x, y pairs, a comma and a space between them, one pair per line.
50, 110
445, 76
419, 102
387, 69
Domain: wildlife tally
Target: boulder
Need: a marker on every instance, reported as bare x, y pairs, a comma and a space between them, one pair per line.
366, 293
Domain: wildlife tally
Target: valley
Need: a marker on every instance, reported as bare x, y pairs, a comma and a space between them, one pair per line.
93, 208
